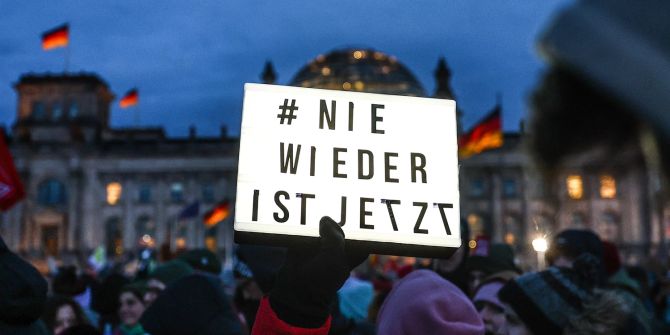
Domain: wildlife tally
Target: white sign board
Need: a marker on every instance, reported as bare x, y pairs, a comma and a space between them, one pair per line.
385, 167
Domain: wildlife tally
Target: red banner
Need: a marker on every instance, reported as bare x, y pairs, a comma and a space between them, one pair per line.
11, 189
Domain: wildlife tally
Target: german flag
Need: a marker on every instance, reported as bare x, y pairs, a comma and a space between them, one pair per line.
130, 99
217, 214
487, 134
56, 38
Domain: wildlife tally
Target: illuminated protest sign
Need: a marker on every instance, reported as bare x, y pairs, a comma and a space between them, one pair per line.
385, 167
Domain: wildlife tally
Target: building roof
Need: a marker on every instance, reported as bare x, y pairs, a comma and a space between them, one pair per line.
364, 70
59, 78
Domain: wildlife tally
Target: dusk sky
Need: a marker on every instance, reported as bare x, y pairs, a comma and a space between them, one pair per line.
190, 59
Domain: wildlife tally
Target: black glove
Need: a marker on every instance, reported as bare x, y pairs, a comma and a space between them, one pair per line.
308, 281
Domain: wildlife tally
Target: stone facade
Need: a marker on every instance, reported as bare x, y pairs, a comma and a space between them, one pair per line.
91, 185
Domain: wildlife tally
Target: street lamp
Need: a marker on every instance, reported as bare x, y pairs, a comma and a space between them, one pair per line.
540, 245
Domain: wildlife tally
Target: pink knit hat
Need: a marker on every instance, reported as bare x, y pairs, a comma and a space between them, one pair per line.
425, 303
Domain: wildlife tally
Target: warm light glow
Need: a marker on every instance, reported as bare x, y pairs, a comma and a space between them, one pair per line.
607, 187
147, 240
540, 244
210, 243
575, 186
378, 55
320, 58
346, 85
325, 71
181, 243
386, 69
510, 238
359, 54
359, 86
114, 191
472, 244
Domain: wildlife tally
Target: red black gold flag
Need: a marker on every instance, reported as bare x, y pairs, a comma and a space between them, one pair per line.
130, 99
58, 37
11, 188
487, 134
217, 214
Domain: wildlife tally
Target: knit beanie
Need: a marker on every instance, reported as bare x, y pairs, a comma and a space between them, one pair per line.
171, 271
202, 260
545, 301
497, 258
425, 303
571, 243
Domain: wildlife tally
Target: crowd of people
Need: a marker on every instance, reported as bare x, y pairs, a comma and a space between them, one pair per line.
606, 87
328, 289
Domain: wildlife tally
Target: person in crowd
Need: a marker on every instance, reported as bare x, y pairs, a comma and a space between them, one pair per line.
163, 276
497, 257
23, 294
425, 303
194, 304
545, 302
485, 299
106, 299
569, 244
68, 283
62, 312
131, 308
454, 268
247, 295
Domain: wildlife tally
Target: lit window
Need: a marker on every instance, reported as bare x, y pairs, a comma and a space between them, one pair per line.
325, 71
114, 191
575, 186
177, 192
358, 54
607, 187
346, 85
359, 85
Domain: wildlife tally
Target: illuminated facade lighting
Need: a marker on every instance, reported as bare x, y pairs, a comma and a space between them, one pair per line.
114, 191
607, 187
575, 186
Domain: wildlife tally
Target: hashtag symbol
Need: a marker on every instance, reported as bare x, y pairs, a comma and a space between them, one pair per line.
287, 111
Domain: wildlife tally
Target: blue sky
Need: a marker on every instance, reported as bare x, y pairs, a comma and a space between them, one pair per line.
190, 59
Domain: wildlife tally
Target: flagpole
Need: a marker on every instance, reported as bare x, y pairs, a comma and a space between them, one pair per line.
67, 58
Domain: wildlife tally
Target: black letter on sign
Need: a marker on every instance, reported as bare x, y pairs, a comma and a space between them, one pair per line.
287, 159
371, 165
365, 213
388, 206
324, 112
376, 119
444, 216
418, 166
254, 210
389, 167
337, 162
343, 212
281, 206
303, 206
351, 116
313, 162
424, 206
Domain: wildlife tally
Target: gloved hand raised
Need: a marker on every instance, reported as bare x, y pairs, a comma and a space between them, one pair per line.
308, 281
